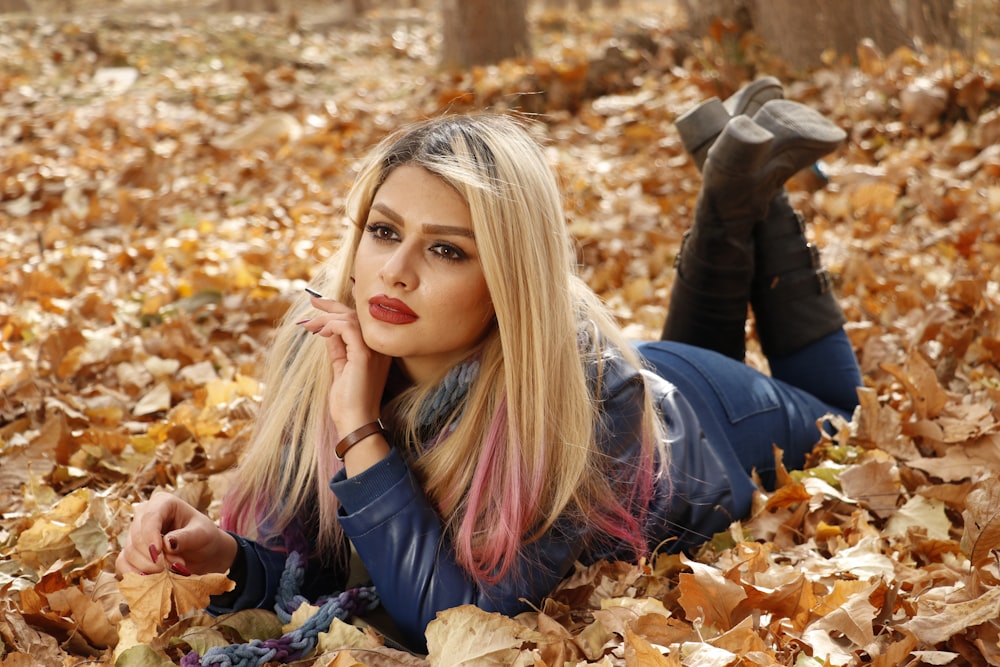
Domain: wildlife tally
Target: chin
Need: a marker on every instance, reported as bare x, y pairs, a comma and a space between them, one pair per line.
380, 345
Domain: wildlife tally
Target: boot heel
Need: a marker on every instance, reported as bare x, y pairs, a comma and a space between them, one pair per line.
699, 127
742, 147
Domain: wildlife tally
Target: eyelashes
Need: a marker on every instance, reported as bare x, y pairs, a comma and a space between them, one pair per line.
385, 233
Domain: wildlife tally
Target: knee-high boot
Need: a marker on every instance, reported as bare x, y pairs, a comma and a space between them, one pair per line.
745, 168
792, 298
715, 266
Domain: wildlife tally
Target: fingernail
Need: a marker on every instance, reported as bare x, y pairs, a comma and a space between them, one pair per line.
302, 321
144, 574
172, 541
154, 553
180, 569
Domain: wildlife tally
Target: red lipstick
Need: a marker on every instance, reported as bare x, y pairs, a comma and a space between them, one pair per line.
392, 311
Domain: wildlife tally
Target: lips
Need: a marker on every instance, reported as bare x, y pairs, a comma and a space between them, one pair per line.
392, 311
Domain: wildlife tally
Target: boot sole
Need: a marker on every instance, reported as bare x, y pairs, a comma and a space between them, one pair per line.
799, 125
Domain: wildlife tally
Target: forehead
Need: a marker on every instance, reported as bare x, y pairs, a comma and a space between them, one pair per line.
414, 195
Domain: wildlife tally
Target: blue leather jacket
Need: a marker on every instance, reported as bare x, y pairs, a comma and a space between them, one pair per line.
399, 536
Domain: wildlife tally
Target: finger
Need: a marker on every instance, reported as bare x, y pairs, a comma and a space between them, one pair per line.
180, 543
173, 542
122, 566
330, 305
178, 567
143, 551
136, 560
318, 323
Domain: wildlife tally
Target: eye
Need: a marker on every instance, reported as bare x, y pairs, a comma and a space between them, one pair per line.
381, 231
448, 252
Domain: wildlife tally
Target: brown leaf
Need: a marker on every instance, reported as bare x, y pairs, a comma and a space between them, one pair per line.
938, 621
874, 483
90, 617
926, 393
981, 535
707, 595
26, 640
640, 653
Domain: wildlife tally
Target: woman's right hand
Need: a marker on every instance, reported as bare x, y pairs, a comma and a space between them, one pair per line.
359, 373
168, 533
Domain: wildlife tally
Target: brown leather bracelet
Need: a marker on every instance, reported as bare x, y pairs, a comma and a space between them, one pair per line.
356, 436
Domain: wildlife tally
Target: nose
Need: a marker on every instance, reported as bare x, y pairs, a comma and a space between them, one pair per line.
399, 268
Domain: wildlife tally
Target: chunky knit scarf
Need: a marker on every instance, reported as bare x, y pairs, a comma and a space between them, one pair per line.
444, 399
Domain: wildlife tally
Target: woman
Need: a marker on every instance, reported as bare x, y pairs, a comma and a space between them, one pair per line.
493, 426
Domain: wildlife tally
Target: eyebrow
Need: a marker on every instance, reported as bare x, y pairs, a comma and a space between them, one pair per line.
444, 230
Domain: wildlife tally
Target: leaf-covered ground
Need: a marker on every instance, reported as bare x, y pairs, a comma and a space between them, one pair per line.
168, 180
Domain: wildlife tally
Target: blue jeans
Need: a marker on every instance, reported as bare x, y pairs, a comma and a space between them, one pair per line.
751, 411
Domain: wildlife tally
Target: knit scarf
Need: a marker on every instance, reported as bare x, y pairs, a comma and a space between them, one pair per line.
443, 401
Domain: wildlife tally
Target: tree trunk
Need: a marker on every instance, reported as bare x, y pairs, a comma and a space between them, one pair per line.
14, 6
799, 32
702, 13
481, 32
249, 6
933, 22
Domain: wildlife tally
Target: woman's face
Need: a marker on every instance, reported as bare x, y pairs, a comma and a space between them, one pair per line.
419, 287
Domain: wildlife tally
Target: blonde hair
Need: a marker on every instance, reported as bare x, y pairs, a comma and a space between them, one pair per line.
524, 451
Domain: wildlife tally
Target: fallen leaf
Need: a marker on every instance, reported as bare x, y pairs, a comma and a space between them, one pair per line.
467, 635
151, 598
937, 622
640, 653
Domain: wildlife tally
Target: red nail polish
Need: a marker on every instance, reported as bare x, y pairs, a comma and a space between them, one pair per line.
172, 541
180, 569
302, 321
154, 553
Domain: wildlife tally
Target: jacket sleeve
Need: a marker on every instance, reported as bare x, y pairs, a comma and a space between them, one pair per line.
257, 571
400, 538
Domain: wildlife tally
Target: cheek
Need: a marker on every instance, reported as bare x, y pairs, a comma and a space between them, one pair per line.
363, 269
481, 304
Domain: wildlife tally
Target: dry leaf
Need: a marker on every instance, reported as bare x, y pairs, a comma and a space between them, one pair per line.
937, 622
640, 653
151, 598
467, 635
707, 595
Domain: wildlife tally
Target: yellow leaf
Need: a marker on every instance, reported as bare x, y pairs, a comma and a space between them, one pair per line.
152, 597
148, 598
192, 593
303, 613
468, 635
344, 635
